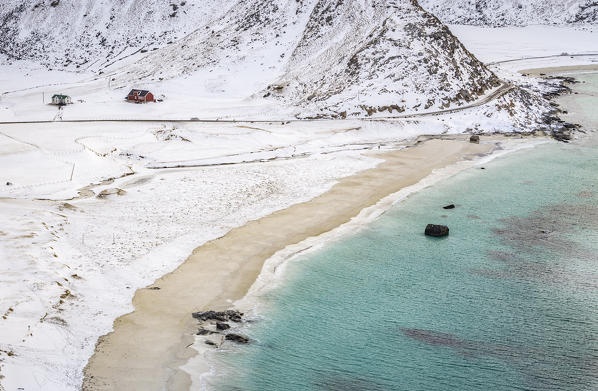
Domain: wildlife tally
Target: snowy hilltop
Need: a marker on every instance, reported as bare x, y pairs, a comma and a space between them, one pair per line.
513, 12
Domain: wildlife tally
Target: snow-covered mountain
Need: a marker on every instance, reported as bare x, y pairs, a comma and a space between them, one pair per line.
513, 12
90, 34
268, 58
330, 57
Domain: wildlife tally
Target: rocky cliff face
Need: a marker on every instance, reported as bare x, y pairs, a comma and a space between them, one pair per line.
513, 12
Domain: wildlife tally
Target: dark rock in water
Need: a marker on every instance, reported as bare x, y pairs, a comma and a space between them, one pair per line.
220, 316
437, 230
451, 206
222, 326
474, 139
236, 338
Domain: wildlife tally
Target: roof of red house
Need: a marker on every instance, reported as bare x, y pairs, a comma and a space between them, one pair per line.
139, 92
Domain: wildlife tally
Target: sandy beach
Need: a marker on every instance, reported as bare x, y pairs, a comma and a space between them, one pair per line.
201, 166
559, 69
148, 345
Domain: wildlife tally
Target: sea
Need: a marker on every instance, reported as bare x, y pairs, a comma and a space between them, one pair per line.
508, 301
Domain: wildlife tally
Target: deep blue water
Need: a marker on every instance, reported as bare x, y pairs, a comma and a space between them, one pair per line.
509, 301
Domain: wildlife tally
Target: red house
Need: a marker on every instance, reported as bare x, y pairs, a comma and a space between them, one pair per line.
140, 96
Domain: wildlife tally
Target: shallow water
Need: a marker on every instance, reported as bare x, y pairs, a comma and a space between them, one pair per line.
509, 301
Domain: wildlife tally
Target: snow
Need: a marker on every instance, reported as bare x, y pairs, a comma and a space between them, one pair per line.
69, 268
510, 43
311, 58
71, 258
500, 13
96, 210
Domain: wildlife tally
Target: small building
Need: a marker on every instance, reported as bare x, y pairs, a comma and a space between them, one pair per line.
61, 100
140, 96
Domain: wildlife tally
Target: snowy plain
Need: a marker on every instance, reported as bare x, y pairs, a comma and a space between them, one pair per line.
93, 213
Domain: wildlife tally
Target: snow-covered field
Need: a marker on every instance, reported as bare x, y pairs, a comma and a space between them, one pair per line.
69, 268
90, 212
513, 43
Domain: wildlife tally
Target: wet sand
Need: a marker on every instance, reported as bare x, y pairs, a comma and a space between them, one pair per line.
148, 345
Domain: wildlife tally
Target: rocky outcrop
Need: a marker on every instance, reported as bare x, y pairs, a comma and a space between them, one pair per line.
215, 329
222, 316
551, 123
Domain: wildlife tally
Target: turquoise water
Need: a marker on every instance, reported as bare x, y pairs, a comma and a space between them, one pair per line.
509, 301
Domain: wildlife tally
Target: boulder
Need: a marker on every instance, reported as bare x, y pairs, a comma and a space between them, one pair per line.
220, 316
451, 206
234, 316
236, 338
474, 139
209, 315
437, 230
222, 326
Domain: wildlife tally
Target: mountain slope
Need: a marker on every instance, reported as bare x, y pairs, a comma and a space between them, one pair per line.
90, 34
386, 56
513, 12
329, 57
276, 58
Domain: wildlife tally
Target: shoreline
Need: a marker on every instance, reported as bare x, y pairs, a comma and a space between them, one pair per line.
590, 68
148, 346
273, 275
